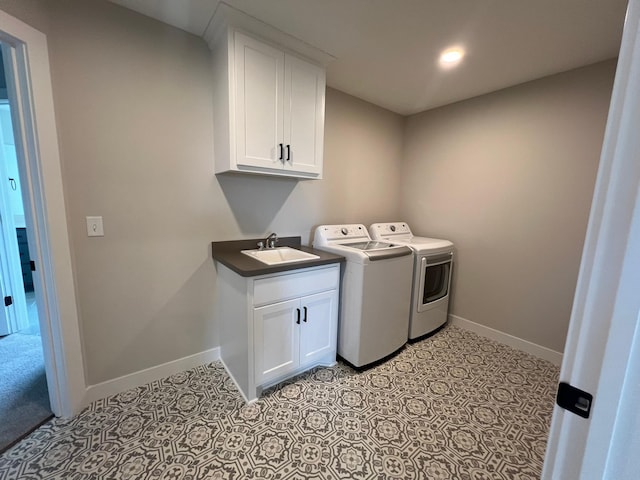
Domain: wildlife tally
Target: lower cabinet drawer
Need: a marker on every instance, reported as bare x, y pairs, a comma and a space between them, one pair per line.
291, 285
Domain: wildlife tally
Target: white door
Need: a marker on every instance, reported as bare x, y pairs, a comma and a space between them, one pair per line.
276, 330
319, 326
304, 90
258, 95
602, 354
7, 313
14, 317
5, 326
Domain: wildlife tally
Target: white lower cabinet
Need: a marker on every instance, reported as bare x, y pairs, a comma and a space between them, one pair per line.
293, 334
289, 324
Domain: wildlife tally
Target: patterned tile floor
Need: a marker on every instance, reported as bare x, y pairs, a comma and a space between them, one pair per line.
454, 406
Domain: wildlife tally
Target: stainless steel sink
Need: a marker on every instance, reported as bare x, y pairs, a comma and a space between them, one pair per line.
279, 255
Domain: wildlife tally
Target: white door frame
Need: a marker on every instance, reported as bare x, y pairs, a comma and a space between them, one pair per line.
45, 216
600, 356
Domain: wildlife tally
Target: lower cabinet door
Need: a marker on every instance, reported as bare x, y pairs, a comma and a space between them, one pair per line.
318, 334
276, 340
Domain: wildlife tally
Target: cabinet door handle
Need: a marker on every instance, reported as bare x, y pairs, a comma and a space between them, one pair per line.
281, 150
288, 153
298, 320
305, 314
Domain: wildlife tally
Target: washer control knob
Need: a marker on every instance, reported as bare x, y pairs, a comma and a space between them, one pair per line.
392, 228
344, 230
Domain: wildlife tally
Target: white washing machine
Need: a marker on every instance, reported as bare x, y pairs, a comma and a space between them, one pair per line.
375, 293
433, 259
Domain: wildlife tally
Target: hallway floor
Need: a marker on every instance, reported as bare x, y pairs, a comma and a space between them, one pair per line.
453, 406
24, 399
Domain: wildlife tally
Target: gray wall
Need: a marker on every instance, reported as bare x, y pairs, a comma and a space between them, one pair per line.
133, 101
509, 177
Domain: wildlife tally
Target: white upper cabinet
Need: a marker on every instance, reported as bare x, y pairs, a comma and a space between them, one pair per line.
268, 107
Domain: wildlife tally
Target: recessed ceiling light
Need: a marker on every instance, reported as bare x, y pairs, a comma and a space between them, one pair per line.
451, 57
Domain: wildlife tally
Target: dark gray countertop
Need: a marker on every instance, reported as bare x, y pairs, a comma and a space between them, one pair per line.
228, 254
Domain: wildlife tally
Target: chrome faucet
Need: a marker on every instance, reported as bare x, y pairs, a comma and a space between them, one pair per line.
270, 241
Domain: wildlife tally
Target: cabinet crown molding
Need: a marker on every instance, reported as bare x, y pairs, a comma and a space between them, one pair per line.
227, 18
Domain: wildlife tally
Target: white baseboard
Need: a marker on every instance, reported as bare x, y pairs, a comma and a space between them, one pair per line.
515, 342
148, 375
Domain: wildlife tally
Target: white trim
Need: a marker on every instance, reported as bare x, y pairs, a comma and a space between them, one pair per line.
45, 214
148, 375
515, 342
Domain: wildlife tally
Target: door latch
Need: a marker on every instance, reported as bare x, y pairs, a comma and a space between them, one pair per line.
575, 400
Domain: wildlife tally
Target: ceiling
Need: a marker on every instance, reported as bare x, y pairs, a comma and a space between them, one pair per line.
386, 51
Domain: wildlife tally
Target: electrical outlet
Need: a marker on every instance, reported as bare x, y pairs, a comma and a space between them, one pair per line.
94, 227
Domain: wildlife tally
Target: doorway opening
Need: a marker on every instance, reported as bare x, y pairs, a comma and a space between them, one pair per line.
24, 396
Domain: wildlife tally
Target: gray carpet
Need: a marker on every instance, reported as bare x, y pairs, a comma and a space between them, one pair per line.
452, 407
24, 399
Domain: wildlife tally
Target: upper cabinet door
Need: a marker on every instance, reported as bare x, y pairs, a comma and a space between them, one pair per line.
304, 92
259, 90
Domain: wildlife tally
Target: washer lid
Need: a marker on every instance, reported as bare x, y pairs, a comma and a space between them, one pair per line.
372, 245
426, 243
353, 241
377, 250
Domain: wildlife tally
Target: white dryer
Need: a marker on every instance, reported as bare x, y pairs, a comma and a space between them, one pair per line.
433, 259
375, 293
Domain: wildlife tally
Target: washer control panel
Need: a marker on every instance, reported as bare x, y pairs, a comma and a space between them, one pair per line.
387, 229
340, 233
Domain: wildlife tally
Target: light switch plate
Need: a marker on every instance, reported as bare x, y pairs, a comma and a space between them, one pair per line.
94, 227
